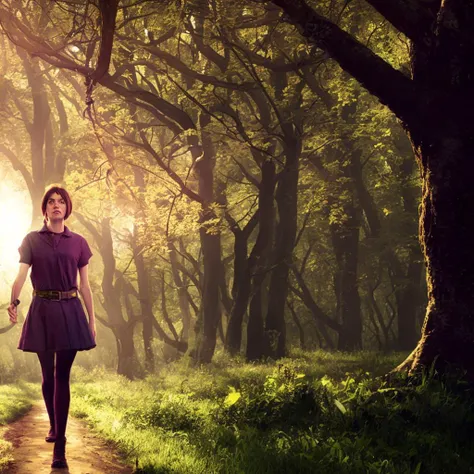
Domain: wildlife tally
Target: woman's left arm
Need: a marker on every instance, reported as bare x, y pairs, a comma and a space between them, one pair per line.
86, 293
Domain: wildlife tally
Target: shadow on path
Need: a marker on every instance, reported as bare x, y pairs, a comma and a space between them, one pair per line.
85, 452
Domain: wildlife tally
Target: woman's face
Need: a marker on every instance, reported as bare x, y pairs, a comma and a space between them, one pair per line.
55, 207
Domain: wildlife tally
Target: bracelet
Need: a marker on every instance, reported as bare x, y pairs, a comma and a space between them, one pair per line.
16, 302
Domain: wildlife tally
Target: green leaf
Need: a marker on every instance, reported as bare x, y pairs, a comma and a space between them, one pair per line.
341, 407
232, 399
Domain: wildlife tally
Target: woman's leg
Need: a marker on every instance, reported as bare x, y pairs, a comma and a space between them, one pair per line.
47, 369
64, 360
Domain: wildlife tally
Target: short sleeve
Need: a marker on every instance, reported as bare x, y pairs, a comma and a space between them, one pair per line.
86, 254
25, 251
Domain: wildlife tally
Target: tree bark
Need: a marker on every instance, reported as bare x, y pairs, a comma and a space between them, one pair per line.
209, 312
126, 364
446, 227
182, 293
146, 306
206, 327
345, 239
287, 204
240, 293
258, 262
242, 277
444, 146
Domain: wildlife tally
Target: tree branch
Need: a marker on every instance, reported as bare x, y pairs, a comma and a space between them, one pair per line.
305, 295
174, 62
171, 111
181, 346
18, 166
390, 86
108, 12
171, 173
25, 39
411, 17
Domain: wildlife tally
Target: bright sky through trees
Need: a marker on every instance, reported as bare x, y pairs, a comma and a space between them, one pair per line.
15, 209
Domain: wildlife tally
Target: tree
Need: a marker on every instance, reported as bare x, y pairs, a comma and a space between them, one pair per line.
45, 161
223, 109
435, 107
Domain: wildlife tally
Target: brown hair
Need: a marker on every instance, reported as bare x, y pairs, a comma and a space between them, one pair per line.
63, 193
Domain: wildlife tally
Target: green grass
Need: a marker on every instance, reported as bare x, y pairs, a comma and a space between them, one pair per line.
15, 400
314, 412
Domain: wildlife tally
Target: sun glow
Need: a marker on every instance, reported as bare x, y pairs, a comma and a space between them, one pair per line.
15, 219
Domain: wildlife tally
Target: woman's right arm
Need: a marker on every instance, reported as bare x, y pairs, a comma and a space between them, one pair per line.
16, 290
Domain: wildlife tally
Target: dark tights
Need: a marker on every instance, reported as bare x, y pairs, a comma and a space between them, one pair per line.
56, 387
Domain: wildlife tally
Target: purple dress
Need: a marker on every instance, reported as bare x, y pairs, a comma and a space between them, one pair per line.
55, 260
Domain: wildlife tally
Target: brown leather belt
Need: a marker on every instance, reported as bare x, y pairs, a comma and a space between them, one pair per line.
56, 295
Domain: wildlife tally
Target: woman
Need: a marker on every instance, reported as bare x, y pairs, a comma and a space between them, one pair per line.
56, 326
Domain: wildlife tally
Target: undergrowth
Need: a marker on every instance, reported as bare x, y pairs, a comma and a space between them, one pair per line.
311, 413
319, 412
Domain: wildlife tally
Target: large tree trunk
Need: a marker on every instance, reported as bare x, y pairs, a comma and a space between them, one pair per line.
206, 326
447, 227
443, 143
287, 204
258, 265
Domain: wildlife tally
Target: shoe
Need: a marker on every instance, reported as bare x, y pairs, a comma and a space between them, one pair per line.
59, 454
51, 438
59, 464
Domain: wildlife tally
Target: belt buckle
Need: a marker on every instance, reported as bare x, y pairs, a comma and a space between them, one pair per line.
55, 299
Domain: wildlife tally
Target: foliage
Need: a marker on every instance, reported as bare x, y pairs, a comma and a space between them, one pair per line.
206, 82
314, 412
287, 417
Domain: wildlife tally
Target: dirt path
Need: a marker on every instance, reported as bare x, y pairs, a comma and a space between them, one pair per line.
86, 453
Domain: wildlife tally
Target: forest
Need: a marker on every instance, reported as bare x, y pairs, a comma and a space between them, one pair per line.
277, 198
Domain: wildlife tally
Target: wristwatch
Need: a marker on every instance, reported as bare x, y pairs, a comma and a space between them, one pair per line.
16, 302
